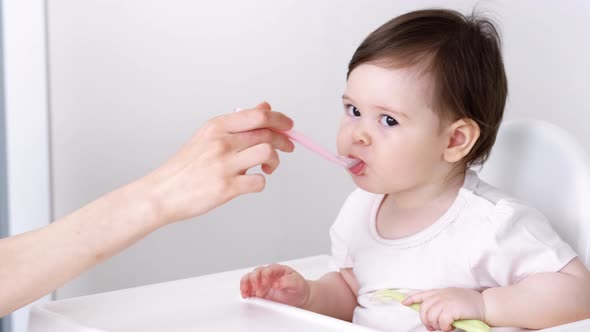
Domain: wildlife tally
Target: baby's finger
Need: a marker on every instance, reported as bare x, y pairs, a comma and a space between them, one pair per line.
268, 277
433, 315
245, 285
413, 298
264, 277
445, 322
289, 282
264, 283
418, 297
272, 273
255, 280
425, 308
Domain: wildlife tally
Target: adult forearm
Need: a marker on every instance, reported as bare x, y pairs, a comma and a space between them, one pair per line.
37, 262
539, 301
332, 296
209, 170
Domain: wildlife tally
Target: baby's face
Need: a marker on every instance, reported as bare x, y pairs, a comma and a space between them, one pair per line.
389, 124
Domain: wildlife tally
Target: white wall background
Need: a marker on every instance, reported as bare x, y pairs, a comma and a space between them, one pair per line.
132, 80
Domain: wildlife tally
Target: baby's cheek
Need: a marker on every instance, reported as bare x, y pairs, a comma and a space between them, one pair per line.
342, 140
408, 160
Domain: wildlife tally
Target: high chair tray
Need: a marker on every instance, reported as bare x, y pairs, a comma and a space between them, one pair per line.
206, 303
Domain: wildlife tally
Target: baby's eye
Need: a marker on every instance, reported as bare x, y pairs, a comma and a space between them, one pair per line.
387, 120
352, 110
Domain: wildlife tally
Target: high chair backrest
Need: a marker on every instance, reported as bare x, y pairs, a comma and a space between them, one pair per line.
544, 166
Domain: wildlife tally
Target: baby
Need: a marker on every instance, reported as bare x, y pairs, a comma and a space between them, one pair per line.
424, 99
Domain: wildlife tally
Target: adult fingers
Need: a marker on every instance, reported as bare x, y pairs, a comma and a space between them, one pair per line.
248, 183
261, 154
263, 106
254, 118
247, 139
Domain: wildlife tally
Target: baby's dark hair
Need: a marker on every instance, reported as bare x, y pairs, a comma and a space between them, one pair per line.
462, 53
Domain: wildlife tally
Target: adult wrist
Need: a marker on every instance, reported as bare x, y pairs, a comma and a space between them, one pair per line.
149, 200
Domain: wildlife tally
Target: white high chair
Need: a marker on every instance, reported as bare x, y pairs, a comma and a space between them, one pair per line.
543, 165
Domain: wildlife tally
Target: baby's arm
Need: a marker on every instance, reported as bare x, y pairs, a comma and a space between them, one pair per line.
330, 295
541, 300
334, 294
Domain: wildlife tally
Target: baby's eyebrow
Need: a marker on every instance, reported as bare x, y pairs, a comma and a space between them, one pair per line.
380, 107
346, 97
387, 109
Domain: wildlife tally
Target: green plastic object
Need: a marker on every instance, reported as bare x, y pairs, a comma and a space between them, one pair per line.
468, 325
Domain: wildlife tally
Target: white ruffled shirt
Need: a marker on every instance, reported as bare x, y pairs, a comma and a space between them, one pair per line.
485, 239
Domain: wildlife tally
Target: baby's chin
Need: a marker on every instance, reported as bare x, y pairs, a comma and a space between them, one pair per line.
367, 185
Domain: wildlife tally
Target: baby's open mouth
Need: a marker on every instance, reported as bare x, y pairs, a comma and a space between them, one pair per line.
358, 168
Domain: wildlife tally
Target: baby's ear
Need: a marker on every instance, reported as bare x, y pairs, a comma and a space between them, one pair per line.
462, 135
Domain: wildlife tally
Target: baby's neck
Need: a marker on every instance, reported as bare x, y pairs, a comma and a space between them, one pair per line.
406, 213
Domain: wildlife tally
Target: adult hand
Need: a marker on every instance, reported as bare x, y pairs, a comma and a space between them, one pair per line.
211, 168
207, 172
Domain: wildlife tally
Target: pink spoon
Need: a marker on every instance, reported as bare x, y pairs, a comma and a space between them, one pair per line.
314, 147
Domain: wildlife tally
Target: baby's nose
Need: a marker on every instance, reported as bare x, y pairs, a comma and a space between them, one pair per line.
361, 136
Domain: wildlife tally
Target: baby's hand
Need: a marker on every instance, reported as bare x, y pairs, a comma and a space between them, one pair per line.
277, 283
439, 308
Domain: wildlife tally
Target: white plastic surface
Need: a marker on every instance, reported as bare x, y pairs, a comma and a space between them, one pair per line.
206, 303
543, 165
